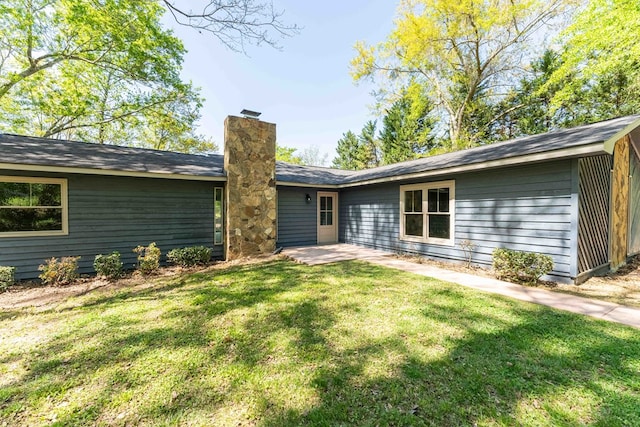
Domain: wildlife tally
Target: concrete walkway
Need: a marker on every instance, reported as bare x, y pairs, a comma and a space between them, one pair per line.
612, 312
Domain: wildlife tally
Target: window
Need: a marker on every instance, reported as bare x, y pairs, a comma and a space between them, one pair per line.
326, 210
218, 212
426, 212
32, 206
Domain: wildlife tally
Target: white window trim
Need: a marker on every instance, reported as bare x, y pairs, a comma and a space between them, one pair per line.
451, 185
64, 205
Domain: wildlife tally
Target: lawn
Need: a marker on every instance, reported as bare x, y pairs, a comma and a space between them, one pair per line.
284, 344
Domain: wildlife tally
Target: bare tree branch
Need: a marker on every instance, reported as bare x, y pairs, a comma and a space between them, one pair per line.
235, 22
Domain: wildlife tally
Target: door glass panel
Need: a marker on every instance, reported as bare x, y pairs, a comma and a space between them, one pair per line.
326, 210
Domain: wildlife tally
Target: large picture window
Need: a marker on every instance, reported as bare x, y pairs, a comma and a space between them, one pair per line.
32, 206
426, 212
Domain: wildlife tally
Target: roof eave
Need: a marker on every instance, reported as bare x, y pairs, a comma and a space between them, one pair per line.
109, 172
609, 144
583, 150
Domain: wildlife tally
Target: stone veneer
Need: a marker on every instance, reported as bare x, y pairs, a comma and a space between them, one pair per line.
250, 164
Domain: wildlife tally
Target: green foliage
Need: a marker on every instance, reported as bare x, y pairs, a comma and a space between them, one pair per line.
406, 131
190, 256
7, 277
148, 258
348, 151
286, 154
104, 72
601, 42
109, 266
60, 272
460, 53
541, 102
369, 145
520, 266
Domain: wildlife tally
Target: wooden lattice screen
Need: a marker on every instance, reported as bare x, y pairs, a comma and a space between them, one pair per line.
593, 205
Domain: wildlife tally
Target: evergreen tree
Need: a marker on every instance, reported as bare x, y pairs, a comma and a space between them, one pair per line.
368, 146
348, 152
406, 131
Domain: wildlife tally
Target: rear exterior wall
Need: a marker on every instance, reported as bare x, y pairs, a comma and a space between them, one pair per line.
109, 213
530, 208
297, 218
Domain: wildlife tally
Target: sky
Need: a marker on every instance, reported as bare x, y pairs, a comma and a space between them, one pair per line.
305, 88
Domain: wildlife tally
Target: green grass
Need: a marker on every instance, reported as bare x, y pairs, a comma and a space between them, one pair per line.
283, 344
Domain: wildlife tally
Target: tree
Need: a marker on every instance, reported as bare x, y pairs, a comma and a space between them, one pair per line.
348, 150
98, 72
311, 156
234, 22
535, 107
286, 154
462, 53
601, 53
369, 146
358, 152
407, 127
108, 72
527, 108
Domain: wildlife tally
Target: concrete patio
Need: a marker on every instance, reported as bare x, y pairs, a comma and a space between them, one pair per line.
315, 255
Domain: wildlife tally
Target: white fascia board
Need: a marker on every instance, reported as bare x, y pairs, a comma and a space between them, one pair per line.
610, 144
108, 172
512, 161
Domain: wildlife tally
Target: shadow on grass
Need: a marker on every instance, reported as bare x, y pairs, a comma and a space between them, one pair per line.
237, 338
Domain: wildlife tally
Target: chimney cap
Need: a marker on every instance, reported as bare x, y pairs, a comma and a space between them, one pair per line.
250, 114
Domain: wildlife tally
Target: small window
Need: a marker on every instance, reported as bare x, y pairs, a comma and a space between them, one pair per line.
218, 216
32, 206
427, 212
326, 210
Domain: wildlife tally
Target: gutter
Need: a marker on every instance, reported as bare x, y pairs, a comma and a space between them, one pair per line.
584, 150
108, 172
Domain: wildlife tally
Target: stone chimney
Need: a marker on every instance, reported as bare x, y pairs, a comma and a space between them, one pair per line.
250, 164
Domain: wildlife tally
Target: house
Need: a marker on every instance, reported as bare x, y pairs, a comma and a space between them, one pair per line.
573, 194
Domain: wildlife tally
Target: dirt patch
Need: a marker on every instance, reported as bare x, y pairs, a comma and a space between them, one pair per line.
621, 287
42, 297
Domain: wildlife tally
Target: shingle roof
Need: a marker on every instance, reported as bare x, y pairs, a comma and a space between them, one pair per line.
535, 144
313, 175
15, 149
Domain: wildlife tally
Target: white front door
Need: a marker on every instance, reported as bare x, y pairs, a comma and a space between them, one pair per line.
327, 217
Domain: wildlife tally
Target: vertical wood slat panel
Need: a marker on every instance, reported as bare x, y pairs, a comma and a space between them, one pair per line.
620, 203
593, 207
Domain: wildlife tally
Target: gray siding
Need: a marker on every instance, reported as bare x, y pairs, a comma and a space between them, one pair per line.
297, 225
524, 208
119, 213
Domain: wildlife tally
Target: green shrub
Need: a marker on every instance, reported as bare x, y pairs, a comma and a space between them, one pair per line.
109, 266
148, 258
7, 277
190, 256
61, 272
519, 266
